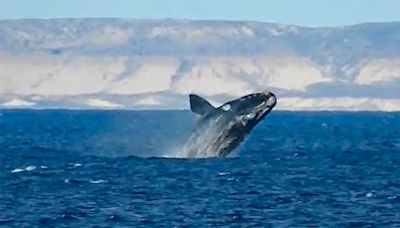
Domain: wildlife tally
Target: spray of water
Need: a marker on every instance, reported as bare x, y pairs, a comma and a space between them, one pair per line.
205, 141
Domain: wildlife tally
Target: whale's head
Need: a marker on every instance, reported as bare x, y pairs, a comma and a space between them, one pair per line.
252, 108
221, 129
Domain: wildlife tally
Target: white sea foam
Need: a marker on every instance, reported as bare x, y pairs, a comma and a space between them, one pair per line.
17, 170
99, 181
393, 197
30, 168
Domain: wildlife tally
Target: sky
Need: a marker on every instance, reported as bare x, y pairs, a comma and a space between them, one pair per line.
311, 13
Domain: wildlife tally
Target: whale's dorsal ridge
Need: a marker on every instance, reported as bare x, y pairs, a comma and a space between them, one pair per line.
199, 105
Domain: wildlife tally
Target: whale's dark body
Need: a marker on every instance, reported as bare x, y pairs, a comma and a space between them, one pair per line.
220, 130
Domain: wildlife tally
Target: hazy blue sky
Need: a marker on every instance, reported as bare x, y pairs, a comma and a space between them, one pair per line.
301, 12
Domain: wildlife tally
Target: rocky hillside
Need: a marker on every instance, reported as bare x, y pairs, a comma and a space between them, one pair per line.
119, 63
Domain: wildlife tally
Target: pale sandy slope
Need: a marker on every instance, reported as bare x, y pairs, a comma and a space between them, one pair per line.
85, 64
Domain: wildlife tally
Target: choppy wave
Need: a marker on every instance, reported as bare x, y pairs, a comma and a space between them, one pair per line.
80, 169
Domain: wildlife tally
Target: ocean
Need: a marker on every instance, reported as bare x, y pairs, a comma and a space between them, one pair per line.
66, 168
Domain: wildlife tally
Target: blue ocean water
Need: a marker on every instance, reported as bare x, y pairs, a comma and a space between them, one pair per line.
105, 169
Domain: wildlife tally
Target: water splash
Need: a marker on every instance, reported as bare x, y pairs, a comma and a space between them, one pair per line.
205, 141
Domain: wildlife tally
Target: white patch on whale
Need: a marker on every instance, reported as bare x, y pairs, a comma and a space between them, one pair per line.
250, 116
226, 107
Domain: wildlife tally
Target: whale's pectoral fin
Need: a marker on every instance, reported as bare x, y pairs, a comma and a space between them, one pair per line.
199, 105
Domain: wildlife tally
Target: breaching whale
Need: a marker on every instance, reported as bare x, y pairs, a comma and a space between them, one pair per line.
220, 130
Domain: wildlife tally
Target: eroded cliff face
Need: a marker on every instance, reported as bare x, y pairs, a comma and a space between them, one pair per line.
116, 63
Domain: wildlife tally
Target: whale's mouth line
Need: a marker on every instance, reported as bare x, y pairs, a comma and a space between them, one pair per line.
260, 105
266, 106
